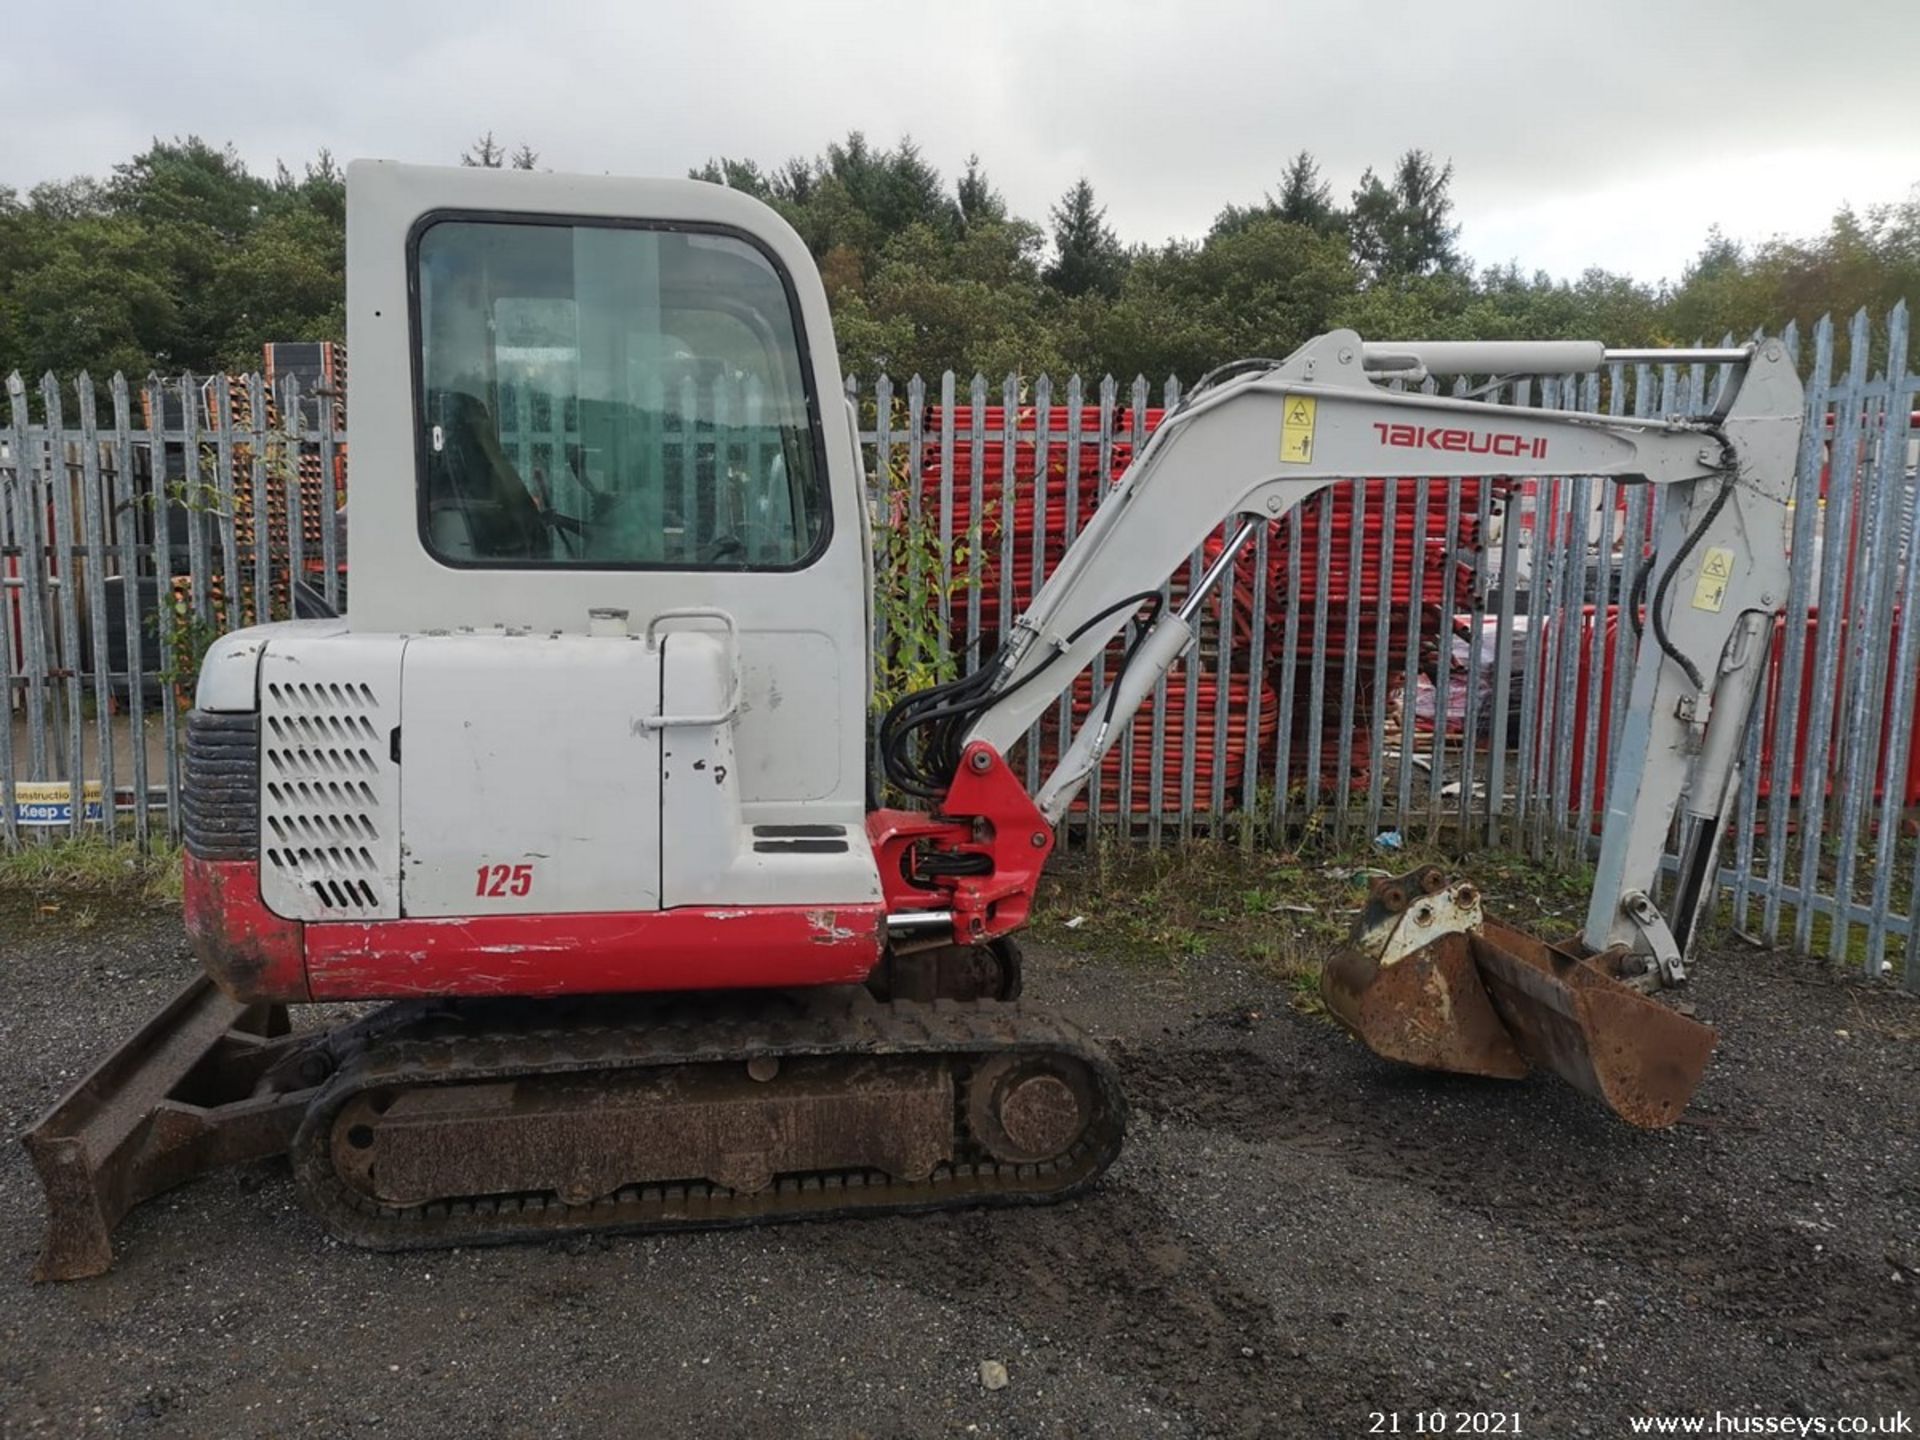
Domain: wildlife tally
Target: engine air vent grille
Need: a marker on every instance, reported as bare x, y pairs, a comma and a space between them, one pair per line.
325, 783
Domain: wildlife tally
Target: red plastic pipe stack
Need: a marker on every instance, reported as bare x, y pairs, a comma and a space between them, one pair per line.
1378, 586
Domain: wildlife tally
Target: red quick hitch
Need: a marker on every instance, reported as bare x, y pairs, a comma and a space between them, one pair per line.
980, 856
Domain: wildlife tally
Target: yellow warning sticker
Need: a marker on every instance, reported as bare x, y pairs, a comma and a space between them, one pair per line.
1716, 571
1296, 430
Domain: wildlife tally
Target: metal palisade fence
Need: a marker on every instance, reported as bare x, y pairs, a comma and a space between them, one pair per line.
1399, 661
136, 526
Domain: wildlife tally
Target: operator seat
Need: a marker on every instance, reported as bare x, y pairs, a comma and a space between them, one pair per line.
478, 507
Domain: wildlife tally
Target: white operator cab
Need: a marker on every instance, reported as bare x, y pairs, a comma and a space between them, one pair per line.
606, 640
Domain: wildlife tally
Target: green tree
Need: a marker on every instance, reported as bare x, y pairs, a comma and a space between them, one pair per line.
188, 182
85, 293
1261, 288
486, 153
979, 202
74, 199
1088, 258
1306, 198
285, 281
893, 188
1400, 229
181, 258
1869, 260
743, 175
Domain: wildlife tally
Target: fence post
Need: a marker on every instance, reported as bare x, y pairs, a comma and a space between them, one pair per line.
1356, 492
1109, 399
12, 665
1470, 711
290, 457
235, 598
1417, 608
259, 500
166, 642
1593, 765
976, 510
193, 501
1837, 523
879, 522
1503, 652
946, 514
1070, 524
1037, 572
1443, 663
1316, 737
324, 414
1870, 627
1009, 484
66, 655
126, 501
1285, 708
94, 513
1906, 663
916, 472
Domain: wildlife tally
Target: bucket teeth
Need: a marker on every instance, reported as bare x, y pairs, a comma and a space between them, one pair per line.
1428, 980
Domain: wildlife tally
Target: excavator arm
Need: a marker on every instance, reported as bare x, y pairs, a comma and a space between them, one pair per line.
1265, 437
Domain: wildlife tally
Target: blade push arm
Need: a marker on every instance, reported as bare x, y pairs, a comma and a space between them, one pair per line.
1259, 444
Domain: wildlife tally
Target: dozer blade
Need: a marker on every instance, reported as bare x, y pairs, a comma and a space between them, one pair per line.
1428, 980
175, 1100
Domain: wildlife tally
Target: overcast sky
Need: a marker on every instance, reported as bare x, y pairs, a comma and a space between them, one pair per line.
1608, 134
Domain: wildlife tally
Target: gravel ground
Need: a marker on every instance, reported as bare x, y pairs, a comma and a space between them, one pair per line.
1296, 1237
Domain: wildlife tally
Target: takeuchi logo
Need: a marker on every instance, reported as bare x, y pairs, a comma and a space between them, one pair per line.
1471, 442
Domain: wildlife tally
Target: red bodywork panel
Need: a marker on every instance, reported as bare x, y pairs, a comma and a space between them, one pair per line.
987, 812
246, 949
733, 948
256, 955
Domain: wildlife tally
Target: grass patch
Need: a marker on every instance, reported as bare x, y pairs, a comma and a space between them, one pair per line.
71, 875
1853, 959
1282, 911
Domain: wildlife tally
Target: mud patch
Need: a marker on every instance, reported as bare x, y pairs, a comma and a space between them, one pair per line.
1117, 1276
1677, 1205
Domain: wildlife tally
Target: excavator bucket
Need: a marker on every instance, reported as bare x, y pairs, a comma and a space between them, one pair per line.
1428, 980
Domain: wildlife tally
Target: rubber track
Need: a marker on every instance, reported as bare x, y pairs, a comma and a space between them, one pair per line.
502, 1040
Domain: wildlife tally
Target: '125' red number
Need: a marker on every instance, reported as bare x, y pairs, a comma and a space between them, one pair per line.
497, 881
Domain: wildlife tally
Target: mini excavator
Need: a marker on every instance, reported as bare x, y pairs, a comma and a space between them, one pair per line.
578, 786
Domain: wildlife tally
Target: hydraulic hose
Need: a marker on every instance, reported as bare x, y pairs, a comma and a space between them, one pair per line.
921, 734
1673, 652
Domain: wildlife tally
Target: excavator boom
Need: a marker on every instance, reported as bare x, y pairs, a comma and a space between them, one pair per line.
1427, 979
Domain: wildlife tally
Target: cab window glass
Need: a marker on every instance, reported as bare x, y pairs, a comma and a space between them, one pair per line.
611, 396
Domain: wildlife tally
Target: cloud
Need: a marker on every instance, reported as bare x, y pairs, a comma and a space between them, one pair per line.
1606, 135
